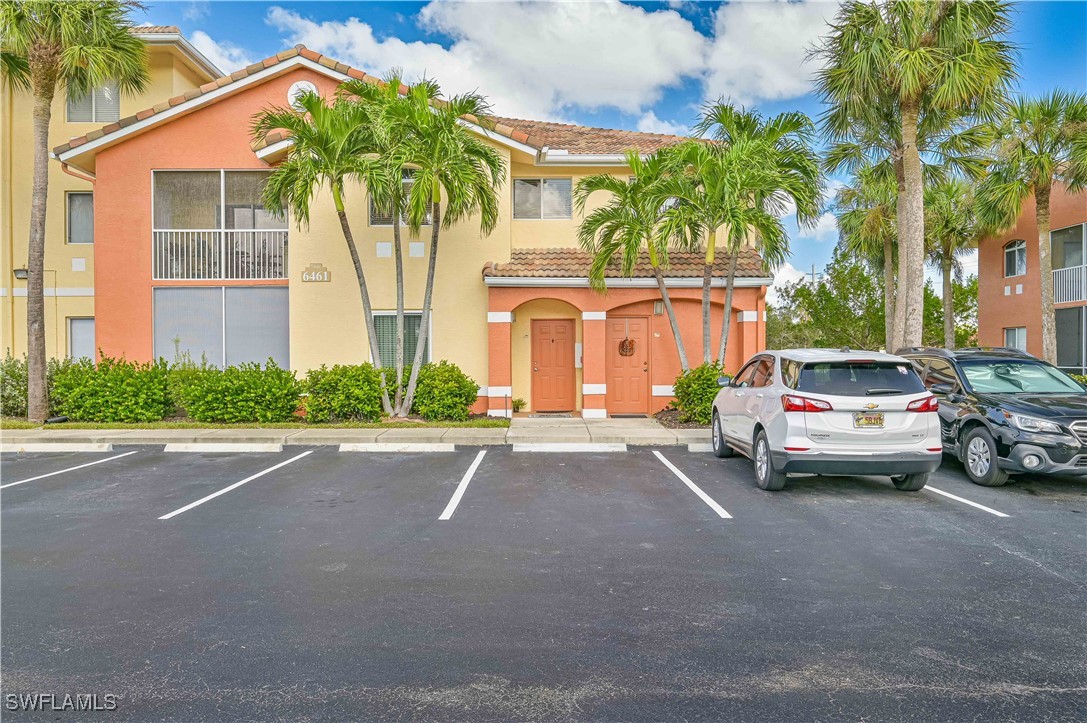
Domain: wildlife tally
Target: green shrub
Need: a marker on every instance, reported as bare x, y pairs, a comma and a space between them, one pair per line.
183, 372
1081, 378
518, 404
113, 391
13, 386
444, 393
695, 390
245, 393
344, 393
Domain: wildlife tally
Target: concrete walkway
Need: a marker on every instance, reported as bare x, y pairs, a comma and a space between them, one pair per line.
521, 431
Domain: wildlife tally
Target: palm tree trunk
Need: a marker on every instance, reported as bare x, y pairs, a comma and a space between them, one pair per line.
667, 300
428, 292
37, 389
949, 303
367, 309
707, 277
398, 254
1045, 268
726, 315
909, 304
889, 295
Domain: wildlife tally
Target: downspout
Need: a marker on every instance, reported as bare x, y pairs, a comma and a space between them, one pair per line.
89, 178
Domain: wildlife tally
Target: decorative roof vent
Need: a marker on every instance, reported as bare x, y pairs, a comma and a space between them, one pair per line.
297, 89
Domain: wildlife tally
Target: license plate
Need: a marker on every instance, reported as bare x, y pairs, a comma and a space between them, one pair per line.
867, 419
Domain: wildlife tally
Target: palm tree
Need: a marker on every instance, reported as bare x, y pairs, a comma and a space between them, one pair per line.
866, 224
332, 143
952, 228
46, 46
913, 59
1038, 142
630, 221
450, 165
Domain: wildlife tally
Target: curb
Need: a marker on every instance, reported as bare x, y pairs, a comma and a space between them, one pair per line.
397, 447
570, 447
223, 447
55, 447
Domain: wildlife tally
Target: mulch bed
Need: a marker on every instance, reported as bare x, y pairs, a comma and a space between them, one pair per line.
670, 418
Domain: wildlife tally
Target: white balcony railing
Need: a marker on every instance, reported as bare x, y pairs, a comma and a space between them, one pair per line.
1070, 284
227, 255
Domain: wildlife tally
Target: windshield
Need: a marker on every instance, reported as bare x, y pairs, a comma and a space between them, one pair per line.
855, 378
1012, 377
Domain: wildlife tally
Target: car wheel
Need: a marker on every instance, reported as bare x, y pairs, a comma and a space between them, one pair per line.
910, 482
979, 456
767, 478
720, 447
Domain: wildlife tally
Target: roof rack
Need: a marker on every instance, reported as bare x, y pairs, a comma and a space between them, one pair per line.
936, 350
999, 350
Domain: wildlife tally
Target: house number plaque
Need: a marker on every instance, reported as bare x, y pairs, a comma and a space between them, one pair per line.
316, 272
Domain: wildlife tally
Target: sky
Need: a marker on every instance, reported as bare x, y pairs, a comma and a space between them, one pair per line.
645, 66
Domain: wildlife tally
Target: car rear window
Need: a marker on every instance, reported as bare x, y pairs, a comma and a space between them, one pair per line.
856, 378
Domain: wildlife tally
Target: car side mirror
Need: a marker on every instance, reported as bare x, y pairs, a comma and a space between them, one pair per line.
942, 388
723, 381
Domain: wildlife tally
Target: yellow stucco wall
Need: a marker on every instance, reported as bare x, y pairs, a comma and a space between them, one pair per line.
521, 343
72, 290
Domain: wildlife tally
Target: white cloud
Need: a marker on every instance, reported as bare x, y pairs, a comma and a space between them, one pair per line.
196, 9
785, 275
825, 229
531, 59
226, 56
650, 123
759, 49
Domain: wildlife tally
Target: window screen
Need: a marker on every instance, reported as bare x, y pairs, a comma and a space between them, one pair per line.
187, 199
386, 338
381, 216
189, 320
244, 207
102, 105
1071, 349
80, 218
1067, 247
81, 338
257, 325
542, 198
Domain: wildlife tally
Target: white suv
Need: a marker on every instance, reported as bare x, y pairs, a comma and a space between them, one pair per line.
829, 412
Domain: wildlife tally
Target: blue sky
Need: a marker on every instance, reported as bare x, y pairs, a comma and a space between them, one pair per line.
642, 66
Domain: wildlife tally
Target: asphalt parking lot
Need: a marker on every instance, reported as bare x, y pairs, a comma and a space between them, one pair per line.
654, 584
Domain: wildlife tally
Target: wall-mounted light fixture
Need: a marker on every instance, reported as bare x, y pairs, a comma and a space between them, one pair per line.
21, 274
658, 308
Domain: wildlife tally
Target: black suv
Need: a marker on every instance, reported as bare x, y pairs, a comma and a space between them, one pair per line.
1002, 410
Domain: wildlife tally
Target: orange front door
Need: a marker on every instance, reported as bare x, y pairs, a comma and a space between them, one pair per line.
553, 381
627, 364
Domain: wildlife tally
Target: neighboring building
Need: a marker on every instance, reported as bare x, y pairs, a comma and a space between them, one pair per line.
175, 67
1009, 285
187, 262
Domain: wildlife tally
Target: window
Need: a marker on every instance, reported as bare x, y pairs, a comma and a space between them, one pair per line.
744, 376
1016, 338
1015, 258
859, 378
81, 338
1067, 246
1072, 339
1013, 375
385, 322
80, 218
102, 105
384, 216
542, 198
764, 374
940, 371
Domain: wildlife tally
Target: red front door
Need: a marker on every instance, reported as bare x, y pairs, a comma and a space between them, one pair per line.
627, 365
553, 381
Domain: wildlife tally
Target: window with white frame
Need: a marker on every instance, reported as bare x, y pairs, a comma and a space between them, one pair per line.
385, 324
384, 216
1016, 338
81, 337
542, 198
101, 105
1015, 258
1068, 246
80, 217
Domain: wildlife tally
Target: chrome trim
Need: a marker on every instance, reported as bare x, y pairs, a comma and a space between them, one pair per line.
1080, 430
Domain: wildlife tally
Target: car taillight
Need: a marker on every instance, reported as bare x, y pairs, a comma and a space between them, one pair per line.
794, 403
928, 404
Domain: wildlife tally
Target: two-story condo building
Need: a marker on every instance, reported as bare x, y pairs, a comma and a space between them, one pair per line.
1009, 283
187, 261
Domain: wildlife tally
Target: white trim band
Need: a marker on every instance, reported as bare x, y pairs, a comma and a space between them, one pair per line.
582, 282
87, 291
743, 316
594, 413
594, 388
499, 392
500, 317
663, 390
505, 413
594, 316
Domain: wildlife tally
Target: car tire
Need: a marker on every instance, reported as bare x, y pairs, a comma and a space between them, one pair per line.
979, 457
765, 475
720, 447
910, 482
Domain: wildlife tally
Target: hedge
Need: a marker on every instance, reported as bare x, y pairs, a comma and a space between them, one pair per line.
114, 390
243, 393
344, 393
695, 390
444, 393
13, 386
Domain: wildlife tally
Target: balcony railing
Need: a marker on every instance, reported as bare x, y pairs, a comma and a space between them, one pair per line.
227, 255
1070, 284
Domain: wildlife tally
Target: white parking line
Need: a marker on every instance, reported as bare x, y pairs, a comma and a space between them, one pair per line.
990, 510
62, 471
694, 488
455, 499
223, 491
570, 447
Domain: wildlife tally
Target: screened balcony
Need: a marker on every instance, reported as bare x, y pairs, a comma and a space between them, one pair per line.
1069, 272
212, 225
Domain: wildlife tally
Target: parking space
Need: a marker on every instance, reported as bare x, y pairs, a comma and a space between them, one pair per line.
499, 585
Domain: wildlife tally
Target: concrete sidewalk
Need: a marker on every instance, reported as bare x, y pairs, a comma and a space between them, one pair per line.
521, 431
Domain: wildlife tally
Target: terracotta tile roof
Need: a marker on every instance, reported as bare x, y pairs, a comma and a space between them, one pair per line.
586, 139
538, 134
574, 263
156, 29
